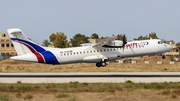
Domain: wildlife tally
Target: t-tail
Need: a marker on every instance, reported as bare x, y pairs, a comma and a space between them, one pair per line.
28, 50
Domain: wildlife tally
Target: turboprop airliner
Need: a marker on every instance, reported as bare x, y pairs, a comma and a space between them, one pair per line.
99, 53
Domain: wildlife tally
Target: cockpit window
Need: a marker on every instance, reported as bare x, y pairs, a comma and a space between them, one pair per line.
160, 42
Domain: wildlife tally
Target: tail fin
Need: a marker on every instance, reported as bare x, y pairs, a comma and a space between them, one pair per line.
22, 44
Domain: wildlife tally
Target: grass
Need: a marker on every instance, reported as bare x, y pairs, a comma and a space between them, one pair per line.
72, 99
164, 85
18, 81
86, 87
4, 97
67, 90
28, 97
18, 95
62, 95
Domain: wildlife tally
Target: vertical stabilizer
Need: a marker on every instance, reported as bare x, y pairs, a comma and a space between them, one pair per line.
22, 44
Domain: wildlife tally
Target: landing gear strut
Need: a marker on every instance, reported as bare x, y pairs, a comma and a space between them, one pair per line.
103, 64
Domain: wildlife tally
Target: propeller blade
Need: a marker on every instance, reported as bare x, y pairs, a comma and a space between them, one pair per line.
124, 40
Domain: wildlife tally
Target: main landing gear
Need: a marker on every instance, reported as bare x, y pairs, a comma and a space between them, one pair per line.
103, 64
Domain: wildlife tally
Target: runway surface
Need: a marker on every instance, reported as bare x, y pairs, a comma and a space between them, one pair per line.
94, 77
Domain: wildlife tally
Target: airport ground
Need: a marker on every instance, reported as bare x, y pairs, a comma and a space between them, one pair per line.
7, 66
75, 91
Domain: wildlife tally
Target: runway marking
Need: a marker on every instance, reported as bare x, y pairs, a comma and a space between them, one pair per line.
90, 77
84, 76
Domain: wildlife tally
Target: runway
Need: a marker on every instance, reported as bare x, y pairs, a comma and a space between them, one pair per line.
92, 77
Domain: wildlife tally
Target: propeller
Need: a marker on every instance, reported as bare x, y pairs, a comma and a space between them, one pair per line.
124, 41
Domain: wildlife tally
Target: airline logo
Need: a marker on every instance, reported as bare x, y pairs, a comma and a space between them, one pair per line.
42, 55
141, 44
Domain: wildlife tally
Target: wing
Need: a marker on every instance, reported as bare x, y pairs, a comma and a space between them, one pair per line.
104, 42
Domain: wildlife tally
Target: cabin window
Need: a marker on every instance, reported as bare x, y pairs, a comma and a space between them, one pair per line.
77, 52
94, 51
110, 49
97, 50
104, 49
101, 50
64, 54
80, 52
74, 53
107, 49
67, 53
91, 51
87, 51
70, 53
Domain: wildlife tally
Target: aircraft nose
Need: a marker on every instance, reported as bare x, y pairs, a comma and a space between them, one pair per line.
170, 47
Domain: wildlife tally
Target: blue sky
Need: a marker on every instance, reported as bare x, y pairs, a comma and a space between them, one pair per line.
38, 19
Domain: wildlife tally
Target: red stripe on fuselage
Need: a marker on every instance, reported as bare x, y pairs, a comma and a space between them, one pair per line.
38, 55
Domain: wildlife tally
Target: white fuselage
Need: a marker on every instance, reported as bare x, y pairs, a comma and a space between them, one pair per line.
92, 55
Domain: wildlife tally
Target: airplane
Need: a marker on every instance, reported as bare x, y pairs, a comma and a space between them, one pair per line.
99, 53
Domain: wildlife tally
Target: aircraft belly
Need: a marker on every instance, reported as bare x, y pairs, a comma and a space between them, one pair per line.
113, 57
92, 59
70, 59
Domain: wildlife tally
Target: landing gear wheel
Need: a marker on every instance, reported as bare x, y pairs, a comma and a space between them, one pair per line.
163, 57
103, 64
98, 64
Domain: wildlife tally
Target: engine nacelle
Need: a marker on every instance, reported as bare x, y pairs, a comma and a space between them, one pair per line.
115, 43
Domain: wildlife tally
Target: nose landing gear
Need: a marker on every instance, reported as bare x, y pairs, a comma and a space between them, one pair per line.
163, 57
